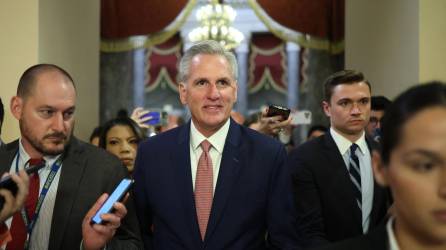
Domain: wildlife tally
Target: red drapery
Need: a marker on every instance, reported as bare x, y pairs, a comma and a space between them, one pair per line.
267, 63
321, 18
124, 18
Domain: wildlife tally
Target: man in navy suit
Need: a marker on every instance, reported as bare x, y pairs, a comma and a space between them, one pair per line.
236, 194
336, 194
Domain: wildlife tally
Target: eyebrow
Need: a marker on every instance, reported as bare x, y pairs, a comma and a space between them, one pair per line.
425, 153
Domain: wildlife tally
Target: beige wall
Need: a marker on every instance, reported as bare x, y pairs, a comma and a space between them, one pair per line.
18, 50
432, 40
381, 40
51, 31
69, 37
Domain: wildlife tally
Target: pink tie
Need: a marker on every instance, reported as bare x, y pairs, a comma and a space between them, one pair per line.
204, 188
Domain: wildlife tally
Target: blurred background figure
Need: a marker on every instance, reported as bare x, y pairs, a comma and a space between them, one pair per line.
316, 131
121, 137
95, 135
238, 117
413, 164
378, 107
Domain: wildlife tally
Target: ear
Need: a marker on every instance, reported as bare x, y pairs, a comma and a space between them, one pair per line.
16, 107
326, 108
380, 171
182, 90
236, 90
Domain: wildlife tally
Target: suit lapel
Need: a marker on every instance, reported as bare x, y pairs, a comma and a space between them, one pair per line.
343, 182
71, 172
7, 155
180, 159
229, 168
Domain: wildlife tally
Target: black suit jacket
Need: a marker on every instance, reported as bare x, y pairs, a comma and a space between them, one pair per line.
375, 240
326, 207
253, 194
87, 172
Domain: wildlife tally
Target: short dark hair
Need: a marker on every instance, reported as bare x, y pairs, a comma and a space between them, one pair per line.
96, 133
346, 76
316, 128
120, 121
379, 103
405, 106
28, 78
2, 115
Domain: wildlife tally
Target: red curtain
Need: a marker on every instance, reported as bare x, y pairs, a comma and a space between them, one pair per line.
267, 54
124, 18
321, 18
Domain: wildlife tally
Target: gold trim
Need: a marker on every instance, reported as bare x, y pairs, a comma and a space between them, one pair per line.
290, 35
137, 42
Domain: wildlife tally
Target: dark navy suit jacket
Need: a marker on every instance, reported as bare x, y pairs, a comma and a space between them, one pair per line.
252, 197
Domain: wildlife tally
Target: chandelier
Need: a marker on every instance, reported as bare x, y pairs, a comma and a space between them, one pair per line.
215, 24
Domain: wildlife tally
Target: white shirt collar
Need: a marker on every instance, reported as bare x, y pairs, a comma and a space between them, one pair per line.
24, 157
344, 144
393, 244
217, 140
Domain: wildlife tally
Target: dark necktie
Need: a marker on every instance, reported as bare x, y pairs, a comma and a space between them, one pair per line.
355, 175
18, 228
204, 188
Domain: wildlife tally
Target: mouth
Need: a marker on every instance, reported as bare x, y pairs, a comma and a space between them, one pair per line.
440, 215
127, 161
215, 107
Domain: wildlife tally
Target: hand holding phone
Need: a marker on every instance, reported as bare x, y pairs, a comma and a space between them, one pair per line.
276, 110
8, 183
117, 196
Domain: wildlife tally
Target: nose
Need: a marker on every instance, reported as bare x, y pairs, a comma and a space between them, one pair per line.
58, 122
126, 147
355, 109
213, 92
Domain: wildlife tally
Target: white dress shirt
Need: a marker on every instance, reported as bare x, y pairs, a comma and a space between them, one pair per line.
393, 244
365, 163
217, 141
41, 231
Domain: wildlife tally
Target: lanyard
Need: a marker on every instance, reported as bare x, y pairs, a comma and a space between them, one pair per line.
29, 224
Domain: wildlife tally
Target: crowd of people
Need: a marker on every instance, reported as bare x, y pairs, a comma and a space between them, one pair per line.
375, 179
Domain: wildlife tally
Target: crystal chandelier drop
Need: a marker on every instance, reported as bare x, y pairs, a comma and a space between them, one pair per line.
215, 24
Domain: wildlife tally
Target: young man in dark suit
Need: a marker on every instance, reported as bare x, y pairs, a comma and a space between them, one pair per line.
335, 192
212, 183
66, 193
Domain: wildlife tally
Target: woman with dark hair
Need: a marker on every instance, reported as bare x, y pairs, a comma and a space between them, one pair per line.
121, 137
413, 165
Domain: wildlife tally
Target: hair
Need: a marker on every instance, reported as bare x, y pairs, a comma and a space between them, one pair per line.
2, 115
316, 128
342, 77
120, 121
208, 47
380, 103
28, 79
405, 106
96, 133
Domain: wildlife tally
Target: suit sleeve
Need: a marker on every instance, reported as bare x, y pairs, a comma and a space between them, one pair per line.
143, 210
310, 221
281, 212
127, 235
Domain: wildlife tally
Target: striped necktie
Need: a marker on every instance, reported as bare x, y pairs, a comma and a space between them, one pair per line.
204, 190
355, 174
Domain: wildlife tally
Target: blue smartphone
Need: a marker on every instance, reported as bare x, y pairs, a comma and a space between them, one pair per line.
155, 120
117, 196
